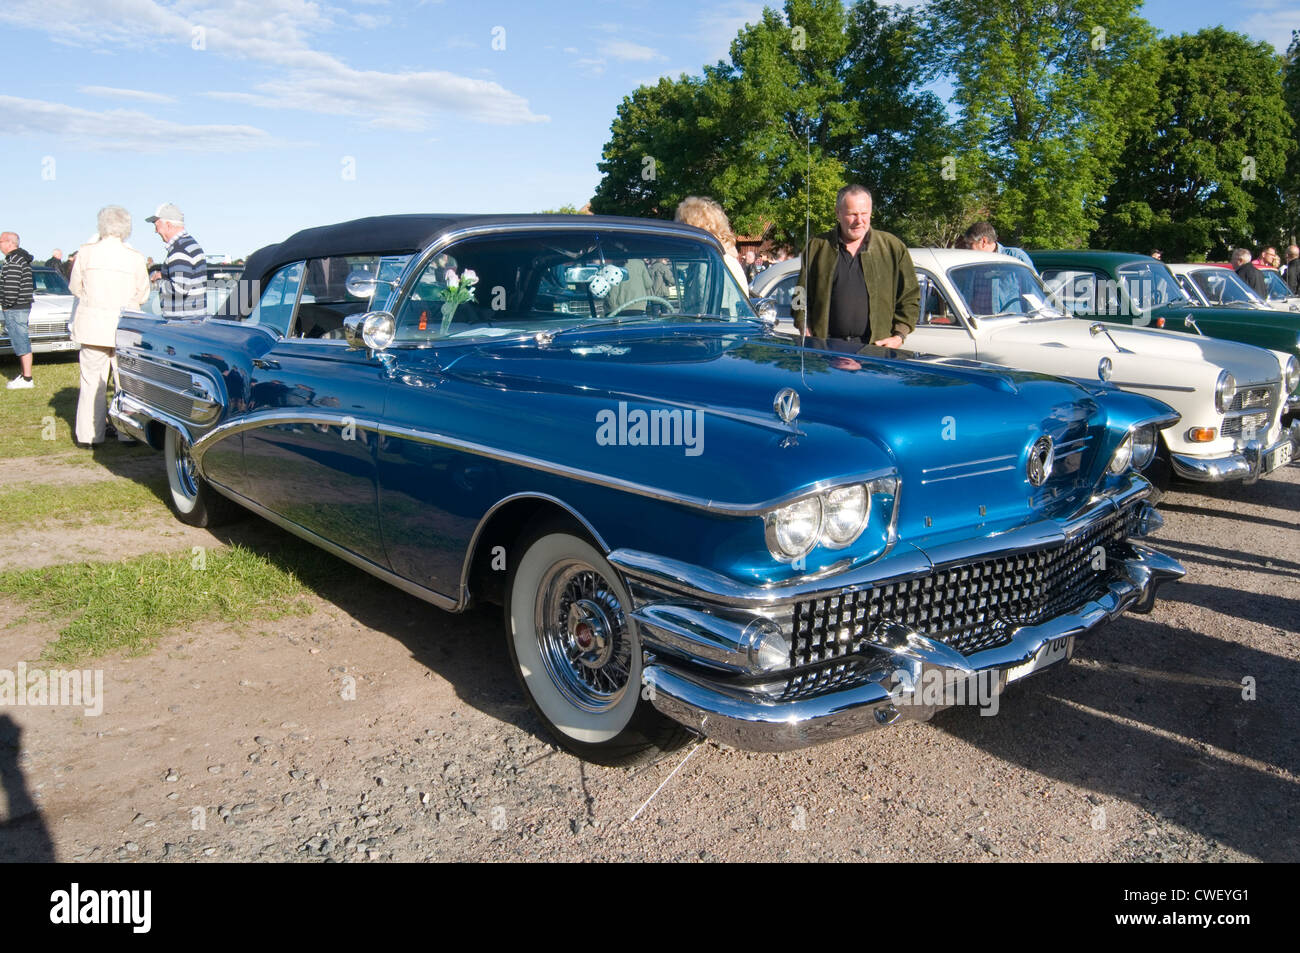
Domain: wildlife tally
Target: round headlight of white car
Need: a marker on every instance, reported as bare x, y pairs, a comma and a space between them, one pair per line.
1291, 378
793, 529
846, 510
1123, 455
1144, 446
1224, 390
1104, 369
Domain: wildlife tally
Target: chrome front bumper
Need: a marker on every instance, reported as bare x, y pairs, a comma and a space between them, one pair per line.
758, 720
1248, 464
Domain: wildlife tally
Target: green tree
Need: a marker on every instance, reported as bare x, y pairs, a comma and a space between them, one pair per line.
1216, 147
1047, 92
811, 98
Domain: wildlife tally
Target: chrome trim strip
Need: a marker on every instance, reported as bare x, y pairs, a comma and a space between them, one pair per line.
276, 417
969, 463
962, 476
1143, 385
379, 572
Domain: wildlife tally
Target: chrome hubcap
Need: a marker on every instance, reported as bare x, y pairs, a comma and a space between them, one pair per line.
583, 635
186, 472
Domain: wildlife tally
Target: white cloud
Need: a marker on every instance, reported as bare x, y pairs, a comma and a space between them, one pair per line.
112, 92
719, 26
635, 52
277, 33
1273, 23
126, 130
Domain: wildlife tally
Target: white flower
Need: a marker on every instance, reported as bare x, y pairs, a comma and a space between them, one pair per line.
469, 277
450, 279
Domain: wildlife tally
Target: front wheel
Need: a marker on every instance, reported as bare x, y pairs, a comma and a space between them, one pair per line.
192, 500
578, 655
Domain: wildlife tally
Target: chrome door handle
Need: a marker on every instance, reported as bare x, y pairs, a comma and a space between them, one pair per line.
266, 365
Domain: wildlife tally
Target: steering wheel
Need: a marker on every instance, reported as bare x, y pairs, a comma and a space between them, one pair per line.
625, 304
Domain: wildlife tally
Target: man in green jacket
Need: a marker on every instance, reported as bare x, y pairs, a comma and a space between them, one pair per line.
859, 285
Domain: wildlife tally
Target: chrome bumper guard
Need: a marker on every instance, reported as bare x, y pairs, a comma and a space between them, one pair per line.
1248, 464
757, 720
130, 417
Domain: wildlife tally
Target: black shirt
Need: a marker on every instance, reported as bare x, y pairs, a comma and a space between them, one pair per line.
1250, 274
849, 315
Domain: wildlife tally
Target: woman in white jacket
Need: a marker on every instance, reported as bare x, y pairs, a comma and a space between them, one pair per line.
107, 276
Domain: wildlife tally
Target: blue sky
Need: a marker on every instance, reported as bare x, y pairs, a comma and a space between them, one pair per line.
260, 117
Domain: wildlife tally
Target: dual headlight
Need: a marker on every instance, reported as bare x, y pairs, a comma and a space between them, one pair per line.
834, 518
1138, 449
1290, 377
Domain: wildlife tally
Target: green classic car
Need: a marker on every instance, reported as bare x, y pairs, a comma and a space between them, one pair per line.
1124, 288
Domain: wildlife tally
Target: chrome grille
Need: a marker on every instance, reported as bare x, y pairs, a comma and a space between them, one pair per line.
152, 370
1241, 421
54, 328
160, 397
970, 607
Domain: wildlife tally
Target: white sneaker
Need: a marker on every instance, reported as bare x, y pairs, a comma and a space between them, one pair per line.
18, 383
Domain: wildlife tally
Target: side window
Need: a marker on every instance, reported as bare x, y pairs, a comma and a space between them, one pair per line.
1074, 292
274, 309
1188, 288
783, 293
936, 310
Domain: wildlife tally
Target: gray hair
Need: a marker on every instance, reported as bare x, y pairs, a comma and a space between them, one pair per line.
848, 190
1239, 255
114, 222
980, 231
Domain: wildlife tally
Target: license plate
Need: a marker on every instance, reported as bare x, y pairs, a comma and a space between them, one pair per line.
1279, 457
1057, 650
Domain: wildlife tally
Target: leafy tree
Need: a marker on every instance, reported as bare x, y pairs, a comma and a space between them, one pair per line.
1216, 147
811, 98
1047, 92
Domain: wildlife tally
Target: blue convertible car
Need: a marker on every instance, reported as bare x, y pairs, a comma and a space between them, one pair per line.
693, 525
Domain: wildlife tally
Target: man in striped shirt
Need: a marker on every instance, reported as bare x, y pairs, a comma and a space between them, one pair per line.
182, 281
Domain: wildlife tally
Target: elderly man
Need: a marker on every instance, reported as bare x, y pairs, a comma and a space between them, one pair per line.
16, 293
182, 280
982, 236
108, 275
859, 284
1248, 272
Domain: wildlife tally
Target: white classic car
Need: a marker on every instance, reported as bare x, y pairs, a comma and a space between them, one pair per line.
992, 308
1208, 285
52, 306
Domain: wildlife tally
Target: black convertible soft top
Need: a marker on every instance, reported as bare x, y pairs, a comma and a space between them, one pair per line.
393, 235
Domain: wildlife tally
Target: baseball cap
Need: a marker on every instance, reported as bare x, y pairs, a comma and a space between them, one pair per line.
168, 213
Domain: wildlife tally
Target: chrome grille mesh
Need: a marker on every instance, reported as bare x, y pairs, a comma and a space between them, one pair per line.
970, 607
1260, 398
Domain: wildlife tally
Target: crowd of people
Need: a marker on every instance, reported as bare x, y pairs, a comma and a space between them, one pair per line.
106, 275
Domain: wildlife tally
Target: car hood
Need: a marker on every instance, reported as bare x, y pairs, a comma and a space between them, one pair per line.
1247, 363
1255, 317
958, 434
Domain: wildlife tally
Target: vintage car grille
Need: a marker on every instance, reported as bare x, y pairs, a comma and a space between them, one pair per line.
1260, 398
969, 608
158, 386
151, 370
55, 327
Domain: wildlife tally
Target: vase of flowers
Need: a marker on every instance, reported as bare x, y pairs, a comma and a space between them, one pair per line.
458, 289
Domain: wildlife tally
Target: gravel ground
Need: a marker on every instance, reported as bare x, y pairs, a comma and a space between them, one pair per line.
378, 728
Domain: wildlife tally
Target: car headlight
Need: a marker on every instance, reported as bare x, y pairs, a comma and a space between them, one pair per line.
845, 511
1123, 455
1292, 376
1144, 446
1104, 368
793, 529
1224, 390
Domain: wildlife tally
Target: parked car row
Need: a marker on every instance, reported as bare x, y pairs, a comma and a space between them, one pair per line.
690, 522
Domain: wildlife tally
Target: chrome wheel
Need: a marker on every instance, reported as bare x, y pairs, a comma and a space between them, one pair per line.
583, 637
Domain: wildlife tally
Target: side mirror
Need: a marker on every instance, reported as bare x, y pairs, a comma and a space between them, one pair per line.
765, 308
374, 330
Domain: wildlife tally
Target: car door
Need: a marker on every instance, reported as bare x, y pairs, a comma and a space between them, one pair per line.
940, 328
314, 404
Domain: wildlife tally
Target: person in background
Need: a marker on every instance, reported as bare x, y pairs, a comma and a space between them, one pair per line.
1157, 254
982, 236
707, 214
183, 278
1291, 272
109, 275
1248, 272
56, 262
16, 293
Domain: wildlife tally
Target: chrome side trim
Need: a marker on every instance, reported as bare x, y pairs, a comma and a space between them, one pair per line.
1143, 385
277, 417
379, 572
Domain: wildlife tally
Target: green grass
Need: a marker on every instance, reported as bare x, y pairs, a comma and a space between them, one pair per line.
25, 415
127, 606
102, 501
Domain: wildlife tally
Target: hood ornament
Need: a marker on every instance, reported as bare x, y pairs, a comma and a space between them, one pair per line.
1041, 459
786, 404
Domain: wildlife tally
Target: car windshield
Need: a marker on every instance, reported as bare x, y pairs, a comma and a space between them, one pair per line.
1221, 286
1277, 289
49, 282
1150, 285
496, 285
996, 287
